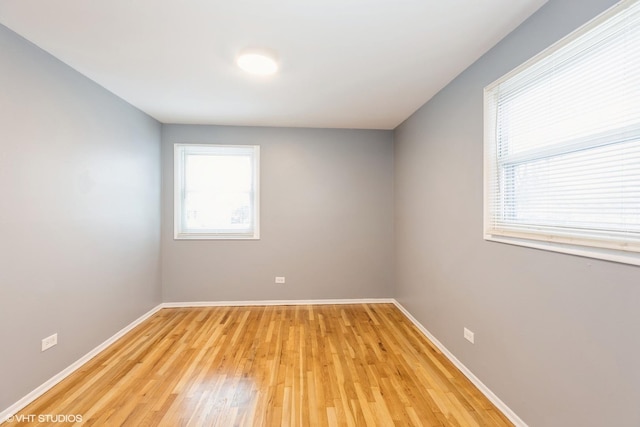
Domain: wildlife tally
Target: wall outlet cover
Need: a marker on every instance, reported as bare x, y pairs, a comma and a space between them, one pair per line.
49, 342
469, 336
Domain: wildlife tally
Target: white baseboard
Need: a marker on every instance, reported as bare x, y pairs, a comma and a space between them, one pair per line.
278, 302
13, 409
512, 416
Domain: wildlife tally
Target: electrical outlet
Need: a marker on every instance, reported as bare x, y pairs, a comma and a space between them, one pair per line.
49, 342
468, 335
279, 279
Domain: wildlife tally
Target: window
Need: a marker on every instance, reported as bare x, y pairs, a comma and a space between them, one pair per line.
562, 144
216, 191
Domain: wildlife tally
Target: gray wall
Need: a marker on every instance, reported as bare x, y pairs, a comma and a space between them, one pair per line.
557, 336
326, 219
80, 216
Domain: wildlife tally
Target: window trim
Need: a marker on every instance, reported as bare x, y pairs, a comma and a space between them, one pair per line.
178, 178
549, 242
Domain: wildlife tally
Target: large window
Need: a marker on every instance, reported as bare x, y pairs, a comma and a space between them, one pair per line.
216, 191
562, 144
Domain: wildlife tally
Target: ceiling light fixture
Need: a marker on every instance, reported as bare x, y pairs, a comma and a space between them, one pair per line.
259, 62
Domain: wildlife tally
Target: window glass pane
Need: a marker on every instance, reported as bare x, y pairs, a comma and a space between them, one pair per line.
218, 192
597, 189
575, 96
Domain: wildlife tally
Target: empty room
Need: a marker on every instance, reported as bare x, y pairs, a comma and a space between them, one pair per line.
320, 213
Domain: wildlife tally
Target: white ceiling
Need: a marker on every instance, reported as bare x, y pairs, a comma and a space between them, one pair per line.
344, 63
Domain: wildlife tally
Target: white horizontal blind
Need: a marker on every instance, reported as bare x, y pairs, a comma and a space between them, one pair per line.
216, 191
562, 139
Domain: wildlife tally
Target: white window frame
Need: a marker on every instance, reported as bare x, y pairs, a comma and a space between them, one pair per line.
549, 242
180, 233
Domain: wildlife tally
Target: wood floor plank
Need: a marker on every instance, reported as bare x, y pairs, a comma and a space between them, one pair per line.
331, 365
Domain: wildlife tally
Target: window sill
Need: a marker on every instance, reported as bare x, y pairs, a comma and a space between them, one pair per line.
623, 257
212, 237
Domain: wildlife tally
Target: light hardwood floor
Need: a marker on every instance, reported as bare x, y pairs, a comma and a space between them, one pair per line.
323, 365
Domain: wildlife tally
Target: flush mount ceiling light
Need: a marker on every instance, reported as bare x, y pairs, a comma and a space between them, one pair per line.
257, 61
